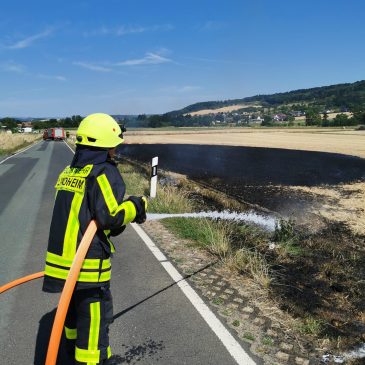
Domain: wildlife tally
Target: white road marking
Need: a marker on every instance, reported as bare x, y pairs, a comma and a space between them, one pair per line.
21, 151
229, 342
69, 147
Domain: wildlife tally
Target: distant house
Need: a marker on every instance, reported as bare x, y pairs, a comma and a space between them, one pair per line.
279, 117
257, 120
214, 122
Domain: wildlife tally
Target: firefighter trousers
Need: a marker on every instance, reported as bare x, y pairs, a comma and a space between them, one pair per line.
87, 325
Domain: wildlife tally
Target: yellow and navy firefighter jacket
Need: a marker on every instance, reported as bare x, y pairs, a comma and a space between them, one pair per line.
91, 188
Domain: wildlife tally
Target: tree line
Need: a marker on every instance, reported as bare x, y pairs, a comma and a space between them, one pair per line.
68, 122
341, 120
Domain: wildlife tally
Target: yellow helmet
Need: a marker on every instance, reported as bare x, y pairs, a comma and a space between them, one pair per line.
99, 130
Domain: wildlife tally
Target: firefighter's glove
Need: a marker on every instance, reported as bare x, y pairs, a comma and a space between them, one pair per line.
140, 203
117, 231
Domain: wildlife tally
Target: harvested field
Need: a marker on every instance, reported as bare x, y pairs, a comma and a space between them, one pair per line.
348, 142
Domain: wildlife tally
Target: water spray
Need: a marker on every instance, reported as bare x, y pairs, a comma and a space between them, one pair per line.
266, 222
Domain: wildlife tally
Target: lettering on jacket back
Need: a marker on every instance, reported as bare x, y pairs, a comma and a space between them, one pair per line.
73, 179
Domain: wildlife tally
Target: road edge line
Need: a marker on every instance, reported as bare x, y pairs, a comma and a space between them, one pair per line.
21, 151
68, 146
227, 339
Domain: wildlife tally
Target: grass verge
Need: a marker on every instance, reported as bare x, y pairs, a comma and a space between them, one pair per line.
214, 236
219, 237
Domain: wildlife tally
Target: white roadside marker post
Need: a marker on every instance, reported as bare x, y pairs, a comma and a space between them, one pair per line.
153, 190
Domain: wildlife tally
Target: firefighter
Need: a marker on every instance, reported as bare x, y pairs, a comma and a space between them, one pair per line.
90, 188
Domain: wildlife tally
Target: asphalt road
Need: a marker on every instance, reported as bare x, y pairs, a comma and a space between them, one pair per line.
155, 323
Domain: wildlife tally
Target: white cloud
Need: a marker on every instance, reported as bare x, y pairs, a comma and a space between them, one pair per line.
149, 59
92, 67
21, 69
12, 67
129, 29
27, 42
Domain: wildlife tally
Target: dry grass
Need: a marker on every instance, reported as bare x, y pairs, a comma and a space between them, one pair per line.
217, 234
9, 143
347, 142
342, 203
253, 263
71, 141
171, 200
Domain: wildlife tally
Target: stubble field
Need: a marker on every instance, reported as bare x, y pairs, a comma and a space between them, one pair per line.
345, 141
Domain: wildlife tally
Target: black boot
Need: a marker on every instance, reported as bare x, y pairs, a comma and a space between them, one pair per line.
70, 346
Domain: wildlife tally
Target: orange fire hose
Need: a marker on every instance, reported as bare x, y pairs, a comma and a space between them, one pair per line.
54, 341
23, 280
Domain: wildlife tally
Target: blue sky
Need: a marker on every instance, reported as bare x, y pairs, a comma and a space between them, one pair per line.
143, 56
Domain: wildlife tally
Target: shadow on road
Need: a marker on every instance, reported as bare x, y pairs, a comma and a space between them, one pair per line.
132, 353
124, 311
43, 335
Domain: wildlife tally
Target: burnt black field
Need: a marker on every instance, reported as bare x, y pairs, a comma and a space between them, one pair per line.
317, 282
251, 165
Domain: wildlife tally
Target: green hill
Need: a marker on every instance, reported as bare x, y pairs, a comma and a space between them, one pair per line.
350, 96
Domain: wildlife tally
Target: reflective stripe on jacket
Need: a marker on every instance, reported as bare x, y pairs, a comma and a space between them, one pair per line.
83, 193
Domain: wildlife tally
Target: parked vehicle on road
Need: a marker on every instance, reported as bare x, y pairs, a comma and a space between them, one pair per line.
55, 134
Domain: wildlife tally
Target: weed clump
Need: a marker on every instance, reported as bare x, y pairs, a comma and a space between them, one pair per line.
171, 199
253, 263
287, 239
208, 234
311, 326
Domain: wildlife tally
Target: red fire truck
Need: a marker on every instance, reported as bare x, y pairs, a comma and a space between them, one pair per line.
55, 134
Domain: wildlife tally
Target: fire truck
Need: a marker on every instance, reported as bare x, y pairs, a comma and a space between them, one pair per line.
55, 134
